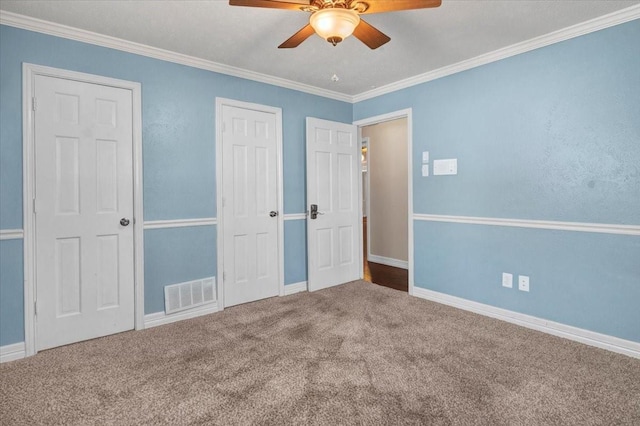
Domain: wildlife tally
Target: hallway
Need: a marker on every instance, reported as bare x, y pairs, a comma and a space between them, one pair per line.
387, 276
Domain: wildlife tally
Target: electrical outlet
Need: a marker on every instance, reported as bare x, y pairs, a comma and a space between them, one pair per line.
523, 283
507, 280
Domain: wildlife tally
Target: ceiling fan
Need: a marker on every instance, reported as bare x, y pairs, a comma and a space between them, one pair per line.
335, 20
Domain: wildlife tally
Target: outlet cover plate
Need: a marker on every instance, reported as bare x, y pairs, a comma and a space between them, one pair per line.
523, 283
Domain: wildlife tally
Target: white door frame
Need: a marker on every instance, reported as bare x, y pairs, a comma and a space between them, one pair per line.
220, 103
29, 72
404, 113
366, 192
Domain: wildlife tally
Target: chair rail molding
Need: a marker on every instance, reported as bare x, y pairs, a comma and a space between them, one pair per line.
179, 223
11, 234
602, 228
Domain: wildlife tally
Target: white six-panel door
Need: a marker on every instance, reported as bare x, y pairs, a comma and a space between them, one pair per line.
83, 188
250, 205
333, 155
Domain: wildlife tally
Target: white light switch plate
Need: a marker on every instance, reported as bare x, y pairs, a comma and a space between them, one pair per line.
425, 170
425, 156
445, 167
507, 280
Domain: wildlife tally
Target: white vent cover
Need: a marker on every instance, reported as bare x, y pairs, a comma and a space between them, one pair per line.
178, 297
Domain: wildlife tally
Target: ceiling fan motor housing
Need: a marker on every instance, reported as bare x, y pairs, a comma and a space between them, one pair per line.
335, 20
358, 6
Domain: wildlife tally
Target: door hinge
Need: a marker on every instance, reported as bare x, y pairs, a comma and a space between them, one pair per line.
34, 103
35, 308
34, 205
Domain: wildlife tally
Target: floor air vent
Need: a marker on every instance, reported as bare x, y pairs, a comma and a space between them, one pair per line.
178, 297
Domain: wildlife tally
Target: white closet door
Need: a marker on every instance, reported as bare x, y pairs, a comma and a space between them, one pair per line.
250, 205
84, 209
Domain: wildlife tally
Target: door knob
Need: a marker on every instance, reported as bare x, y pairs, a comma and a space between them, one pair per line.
273, 213
314, 211
124, 221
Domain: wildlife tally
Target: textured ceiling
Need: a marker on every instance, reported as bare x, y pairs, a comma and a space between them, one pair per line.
421, 40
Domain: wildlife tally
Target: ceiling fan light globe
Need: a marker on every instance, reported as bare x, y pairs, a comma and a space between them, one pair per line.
334, 25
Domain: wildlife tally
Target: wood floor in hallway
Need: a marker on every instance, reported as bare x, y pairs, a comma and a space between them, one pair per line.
387, 276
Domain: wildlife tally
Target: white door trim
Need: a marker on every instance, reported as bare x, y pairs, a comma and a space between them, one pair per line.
404, 113
29, 72
220, 103
367, 193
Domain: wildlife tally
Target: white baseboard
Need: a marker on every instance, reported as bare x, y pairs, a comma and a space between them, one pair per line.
603, 341
396, 263
160, 318
295, 288
12, 352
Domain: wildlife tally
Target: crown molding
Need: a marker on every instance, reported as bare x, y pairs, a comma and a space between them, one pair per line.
64, 31
596, 24
58, 30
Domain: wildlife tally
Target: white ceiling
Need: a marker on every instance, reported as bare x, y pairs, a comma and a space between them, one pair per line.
247, 38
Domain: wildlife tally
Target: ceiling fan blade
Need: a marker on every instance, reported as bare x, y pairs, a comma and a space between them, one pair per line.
370, 35
283, 4
380, 6
293, 41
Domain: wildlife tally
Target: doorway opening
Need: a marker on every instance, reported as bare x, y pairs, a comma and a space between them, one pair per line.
385, 207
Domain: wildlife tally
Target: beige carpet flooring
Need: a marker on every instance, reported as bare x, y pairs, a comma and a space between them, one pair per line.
354, 354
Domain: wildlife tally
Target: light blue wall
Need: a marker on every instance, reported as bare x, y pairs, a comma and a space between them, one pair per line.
11, 292
176, 255
582, 279
552, 134
295, 249
178, 120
